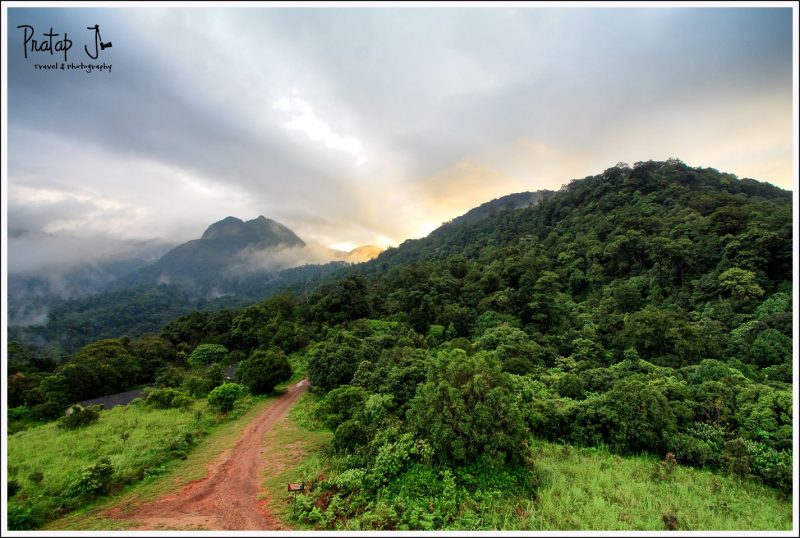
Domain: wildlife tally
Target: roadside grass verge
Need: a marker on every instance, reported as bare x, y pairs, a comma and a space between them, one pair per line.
293, 452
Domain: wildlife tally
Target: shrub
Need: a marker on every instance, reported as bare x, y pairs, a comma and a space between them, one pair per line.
182, 402
736, 458
95, 479
205, 354
165, 398
47, 410
691, 450
223, 397
642, 415
18, 413
339, 405
333, 362
772, 467
169, 377
263, 370
570, 386
669, 519
79, 418
21, 518
196, 386
36, 477
666, 468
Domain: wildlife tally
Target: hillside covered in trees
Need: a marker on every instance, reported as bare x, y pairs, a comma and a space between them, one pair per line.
646, 309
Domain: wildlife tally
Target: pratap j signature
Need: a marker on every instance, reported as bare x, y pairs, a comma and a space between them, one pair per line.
62, 44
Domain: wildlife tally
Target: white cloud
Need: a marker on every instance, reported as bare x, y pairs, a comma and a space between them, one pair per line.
303, 118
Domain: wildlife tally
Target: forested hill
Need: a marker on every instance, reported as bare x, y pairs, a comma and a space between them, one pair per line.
646, 309
718, 200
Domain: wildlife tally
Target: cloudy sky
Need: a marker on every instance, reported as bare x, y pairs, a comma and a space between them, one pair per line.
354, 126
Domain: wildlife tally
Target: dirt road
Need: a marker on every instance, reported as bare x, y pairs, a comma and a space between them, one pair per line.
227, 499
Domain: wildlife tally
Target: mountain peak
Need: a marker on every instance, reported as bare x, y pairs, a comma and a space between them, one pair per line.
226, 226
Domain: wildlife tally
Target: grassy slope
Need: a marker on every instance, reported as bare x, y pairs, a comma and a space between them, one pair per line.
175, 475
592, 489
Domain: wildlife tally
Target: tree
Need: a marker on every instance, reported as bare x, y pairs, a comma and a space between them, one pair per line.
467, 408
263, 370
644, 419
741, 284
205, 354
770, 348
333, 362
340, 405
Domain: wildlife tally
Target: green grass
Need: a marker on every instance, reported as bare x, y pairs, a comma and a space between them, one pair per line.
147, 464
295, 447
590, 489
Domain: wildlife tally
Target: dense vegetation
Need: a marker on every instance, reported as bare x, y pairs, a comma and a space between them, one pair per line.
584, 488
645, 310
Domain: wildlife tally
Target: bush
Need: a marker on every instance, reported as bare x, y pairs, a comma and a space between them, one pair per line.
333, 362
165, 398
169, 377
223, 397
263, 370
339, 405
691, 450
47, 411
196, 386
772, 467
205, 354
664, 469
736, 458
95, 479
21, 519
18, 413
36, 477
79, 418
570, 386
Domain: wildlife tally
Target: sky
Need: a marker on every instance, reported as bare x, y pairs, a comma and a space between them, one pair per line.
372, 125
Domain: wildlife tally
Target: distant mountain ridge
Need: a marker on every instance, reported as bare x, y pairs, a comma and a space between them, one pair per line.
504, 203
207, 258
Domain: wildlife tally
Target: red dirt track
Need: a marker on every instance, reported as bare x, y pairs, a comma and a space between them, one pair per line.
227, 499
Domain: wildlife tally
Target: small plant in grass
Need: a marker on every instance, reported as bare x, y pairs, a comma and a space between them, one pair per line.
125, 436
669, 519
665, 468
94, 479
20, 518
36, 477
